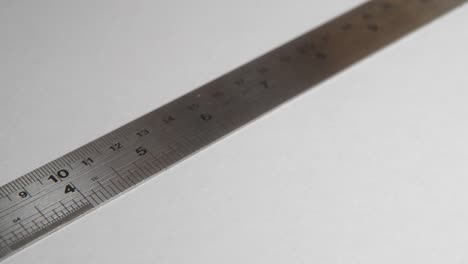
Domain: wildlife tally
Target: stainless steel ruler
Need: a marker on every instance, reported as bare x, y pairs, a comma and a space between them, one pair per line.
45, 199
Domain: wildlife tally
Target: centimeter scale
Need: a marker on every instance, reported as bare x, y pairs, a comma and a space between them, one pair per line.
47, 198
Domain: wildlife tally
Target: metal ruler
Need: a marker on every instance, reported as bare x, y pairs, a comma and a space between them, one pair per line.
45, 199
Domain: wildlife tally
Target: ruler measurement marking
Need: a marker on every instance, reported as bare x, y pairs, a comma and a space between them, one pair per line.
27, 202
24, 228
64, 206
135, 176
68, 165
153, 167
47, 227
8, 197
23, 181
55, 214
34, 222
40, 213
43, 216
77, 205
140, 172
104, 188
15, 235
145, 171
47, 169
8, 187
42, 172
115, 185
112, 189
67, 158
94, 200
3, 241
97, 196
78, 190
123, 183
121, 177
156, 161
53, 165
103, 194
36, 177
131, 178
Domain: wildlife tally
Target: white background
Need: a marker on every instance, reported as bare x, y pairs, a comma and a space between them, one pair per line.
371, 167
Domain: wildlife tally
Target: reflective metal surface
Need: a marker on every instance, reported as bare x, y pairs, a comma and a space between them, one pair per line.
47, 198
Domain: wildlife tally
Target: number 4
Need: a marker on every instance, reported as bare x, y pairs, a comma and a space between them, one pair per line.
69, 188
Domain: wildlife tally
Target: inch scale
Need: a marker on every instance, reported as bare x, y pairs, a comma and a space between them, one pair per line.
45, 199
